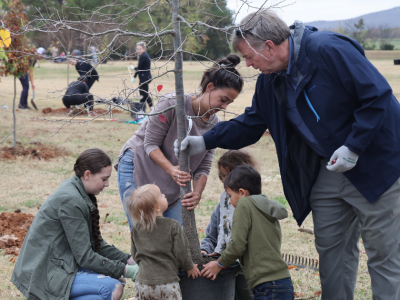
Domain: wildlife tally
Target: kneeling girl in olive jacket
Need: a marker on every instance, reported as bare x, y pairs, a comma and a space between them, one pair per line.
63, 252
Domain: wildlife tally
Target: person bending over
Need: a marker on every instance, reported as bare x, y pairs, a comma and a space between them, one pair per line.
159, 247
256, 238
78, 93
84, 68
335, 124
148, 156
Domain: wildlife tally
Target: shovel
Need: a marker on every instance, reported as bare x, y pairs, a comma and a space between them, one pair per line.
33, 102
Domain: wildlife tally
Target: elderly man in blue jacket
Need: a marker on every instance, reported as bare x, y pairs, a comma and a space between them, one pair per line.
336, 127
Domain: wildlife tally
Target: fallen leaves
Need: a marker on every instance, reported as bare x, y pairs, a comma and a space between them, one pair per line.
307, 230
298, 294
301, 296
105, 217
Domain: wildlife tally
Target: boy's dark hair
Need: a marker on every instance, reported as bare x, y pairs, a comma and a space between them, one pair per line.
244, 177
233, 158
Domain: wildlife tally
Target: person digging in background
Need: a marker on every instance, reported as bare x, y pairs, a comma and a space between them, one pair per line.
84, 68
78, 93
256, 238
219, 230
159, 247
64, 255
335, 123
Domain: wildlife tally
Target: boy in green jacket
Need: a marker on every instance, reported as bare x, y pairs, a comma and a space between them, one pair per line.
256, 238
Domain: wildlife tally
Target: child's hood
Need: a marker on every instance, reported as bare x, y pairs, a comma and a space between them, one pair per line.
269, 208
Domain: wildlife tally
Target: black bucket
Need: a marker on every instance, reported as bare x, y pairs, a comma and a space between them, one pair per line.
397, 61
201, 288
136, 107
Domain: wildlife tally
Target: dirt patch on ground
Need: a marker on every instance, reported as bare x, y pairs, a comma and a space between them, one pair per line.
13, 229
37, 150
64, 111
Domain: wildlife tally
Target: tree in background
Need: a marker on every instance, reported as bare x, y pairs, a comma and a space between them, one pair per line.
18, 54
88, 11
358, 32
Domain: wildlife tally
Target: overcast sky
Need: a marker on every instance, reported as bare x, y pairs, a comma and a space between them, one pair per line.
315, 10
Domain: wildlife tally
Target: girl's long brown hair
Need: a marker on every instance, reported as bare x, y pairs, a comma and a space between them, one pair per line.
94, 160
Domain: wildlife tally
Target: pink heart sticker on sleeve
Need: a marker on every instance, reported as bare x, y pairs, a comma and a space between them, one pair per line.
162, 118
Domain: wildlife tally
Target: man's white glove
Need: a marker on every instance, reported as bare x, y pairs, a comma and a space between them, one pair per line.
196, 145
342, 160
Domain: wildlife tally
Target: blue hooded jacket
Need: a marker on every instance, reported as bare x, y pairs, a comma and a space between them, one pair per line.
356, 108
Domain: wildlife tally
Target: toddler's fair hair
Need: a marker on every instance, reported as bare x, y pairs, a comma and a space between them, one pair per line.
141, 206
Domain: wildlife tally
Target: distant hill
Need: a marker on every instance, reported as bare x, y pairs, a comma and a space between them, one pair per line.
386, 18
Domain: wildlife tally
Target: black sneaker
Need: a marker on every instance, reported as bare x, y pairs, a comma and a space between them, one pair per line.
23, 107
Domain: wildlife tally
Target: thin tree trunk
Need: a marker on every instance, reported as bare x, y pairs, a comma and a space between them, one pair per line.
14, 115
67, 71
188, 216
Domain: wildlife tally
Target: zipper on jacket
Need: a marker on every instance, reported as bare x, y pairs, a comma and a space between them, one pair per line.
310, 105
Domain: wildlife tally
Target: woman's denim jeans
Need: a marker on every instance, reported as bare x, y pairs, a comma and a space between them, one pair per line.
89, 285
126, 186
281, 289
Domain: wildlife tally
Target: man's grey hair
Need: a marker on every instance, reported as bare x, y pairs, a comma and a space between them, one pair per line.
259, 27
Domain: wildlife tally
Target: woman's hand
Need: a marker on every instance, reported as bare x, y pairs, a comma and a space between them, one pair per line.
130, 261
211, 270
33, 86
191, 200
180, 177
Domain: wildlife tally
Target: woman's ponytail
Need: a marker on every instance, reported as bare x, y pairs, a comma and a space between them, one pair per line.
96, 225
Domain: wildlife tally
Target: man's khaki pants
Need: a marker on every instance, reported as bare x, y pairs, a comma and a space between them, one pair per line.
341, 214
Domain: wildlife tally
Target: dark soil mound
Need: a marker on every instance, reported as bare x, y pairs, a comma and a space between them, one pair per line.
37, 150
77, 111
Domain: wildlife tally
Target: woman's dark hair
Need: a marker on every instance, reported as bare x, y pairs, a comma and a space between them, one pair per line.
94, 160
244, 177
233, 158
223, 74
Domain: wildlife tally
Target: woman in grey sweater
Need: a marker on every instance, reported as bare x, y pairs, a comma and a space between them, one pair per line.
148, 157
